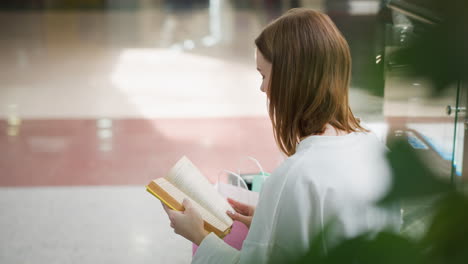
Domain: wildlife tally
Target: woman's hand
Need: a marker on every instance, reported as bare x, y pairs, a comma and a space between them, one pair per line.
244, 212
188, 223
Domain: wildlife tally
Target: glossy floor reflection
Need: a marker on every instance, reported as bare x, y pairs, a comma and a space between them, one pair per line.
128, 151
86, 225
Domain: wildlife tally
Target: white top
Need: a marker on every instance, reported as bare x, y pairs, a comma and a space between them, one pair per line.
337, 177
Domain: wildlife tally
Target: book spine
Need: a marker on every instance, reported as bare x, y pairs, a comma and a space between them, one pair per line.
174, 205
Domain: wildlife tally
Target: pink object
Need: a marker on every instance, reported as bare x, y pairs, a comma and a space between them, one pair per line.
68, 152
235, 239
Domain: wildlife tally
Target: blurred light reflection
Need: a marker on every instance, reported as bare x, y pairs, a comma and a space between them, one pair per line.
104, 134
166, 83
13, 120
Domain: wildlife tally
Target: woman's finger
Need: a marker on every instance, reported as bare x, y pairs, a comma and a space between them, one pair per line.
241, 218
186, 203
236, 203
239, 207
240, 210
166, 208
173, 214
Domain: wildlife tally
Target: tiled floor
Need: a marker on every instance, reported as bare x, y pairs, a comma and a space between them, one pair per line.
86, 225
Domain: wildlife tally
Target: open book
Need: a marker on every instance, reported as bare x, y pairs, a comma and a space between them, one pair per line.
184, 180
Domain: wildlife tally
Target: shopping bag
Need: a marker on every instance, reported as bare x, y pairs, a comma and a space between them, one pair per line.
232, 185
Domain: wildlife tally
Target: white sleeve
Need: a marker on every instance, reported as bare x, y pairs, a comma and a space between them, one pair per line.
214, 250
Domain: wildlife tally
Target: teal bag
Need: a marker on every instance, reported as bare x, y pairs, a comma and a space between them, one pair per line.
258, 181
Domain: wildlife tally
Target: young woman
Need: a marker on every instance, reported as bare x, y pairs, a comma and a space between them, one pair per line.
335, 169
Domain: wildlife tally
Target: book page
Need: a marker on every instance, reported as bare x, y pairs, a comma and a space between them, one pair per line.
179, 196
191, 181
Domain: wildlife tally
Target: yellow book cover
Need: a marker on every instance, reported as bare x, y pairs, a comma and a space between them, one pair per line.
184, 180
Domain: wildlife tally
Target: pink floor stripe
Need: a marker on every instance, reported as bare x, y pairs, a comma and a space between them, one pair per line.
130, 151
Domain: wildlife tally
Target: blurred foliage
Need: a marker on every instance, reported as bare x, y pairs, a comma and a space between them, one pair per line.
445, 240
437, 208
383, 248
413, 179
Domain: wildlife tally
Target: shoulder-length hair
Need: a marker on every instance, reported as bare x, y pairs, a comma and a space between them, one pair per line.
310, 76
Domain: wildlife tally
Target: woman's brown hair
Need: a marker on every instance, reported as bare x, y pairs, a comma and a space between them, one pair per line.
310, 76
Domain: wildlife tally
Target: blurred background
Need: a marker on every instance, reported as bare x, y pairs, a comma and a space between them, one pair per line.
98, 97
